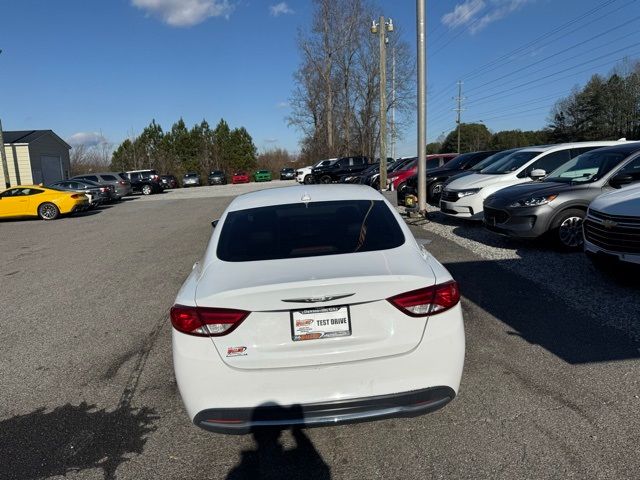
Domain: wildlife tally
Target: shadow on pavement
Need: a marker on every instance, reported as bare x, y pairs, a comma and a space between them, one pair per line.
72, 438
539, 316
269, 459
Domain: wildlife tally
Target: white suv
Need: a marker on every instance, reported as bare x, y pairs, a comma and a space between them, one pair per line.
303, 175
612, 226
464, 197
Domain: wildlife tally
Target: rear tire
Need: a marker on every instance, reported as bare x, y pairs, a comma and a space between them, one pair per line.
567, 230
147, 190
48, 211
325, 179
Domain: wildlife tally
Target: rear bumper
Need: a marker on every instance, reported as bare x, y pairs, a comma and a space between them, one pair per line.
436, 361
79, 207
245, 420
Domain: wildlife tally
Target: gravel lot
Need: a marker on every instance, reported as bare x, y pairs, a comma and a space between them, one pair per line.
550, 388
606, 299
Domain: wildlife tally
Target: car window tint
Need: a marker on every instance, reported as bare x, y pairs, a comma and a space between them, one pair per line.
308, 230
109, 178
433, 162
632, 168
588, 167
550, 162
579, 151
510, 163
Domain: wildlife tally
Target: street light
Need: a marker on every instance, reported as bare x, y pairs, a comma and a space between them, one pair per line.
381, 28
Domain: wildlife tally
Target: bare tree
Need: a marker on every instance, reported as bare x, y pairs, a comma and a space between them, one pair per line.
335, 101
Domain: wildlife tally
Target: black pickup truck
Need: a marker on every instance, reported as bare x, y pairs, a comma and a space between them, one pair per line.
342, 166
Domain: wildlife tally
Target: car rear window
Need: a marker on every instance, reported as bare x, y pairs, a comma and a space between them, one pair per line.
308, 230
109, 178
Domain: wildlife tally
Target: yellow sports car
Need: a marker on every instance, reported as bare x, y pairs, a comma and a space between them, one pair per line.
39, 201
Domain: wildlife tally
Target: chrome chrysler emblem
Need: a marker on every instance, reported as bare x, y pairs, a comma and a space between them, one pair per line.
324, 298
609, 224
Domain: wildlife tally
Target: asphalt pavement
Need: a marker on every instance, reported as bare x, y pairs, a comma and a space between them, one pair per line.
549, 390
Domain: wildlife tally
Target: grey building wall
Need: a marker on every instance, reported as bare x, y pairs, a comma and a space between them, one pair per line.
48, 145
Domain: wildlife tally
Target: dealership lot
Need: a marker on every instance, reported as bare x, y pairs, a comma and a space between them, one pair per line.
550, 388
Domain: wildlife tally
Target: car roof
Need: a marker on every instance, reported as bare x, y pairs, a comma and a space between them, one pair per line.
294, 194
626, 148
564, 146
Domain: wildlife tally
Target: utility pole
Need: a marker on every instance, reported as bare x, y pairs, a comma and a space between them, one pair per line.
393, 103
421, 8
381, 30
459, 110
3, 156
5, 165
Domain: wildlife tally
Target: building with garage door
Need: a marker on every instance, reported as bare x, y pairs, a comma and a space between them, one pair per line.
35, 156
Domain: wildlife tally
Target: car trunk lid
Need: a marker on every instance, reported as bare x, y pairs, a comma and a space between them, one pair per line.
280, 293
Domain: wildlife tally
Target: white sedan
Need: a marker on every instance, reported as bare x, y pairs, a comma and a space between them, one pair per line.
315, 305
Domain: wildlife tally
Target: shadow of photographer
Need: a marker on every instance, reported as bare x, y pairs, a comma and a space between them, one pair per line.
270, 460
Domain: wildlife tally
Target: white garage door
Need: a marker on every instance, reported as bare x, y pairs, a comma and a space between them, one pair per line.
51, 169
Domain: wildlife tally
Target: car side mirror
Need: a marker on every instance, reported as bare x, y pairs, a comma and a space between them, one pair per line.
537, 174
620, 180
214, 224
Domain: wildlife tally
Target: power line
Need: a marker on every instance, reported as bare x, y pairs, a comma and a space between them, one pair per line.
580, 27
568, 49
563, 71
482, 68
568, 69
541, 37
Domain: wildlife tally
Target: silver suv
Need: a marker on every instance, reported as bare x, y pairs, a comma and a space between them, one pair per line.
121, 185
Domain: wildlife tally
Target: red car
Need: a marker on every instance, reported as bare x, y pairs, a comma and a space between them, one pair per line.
240, 177
396, 179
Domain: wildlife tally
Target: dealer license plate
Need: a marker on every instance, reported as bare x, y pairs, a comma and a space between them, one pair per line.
317, 323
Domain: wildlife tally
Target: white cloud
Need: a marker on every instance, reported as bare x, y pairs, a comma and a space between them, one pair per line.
280, 9
478, 14
184, 13
463, 13
501, 10
282, 105
89, 139
270, 140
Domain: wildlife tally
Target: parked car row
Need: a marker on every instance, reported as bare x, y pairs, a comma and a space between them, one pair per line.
78, 193
219, 177
577, 195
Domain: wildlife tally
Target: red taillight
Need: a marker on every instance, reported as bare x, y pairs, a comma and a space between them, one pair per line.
122, 182
427, 301
206, 322
104, 189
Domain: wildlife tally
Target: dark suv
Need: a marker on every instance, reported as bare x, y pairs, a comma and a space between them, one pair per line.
217, 177
342, 166
145, 181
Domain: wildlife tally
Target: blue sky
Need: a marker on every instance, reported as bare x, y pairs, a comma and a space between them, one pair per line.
84, 67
